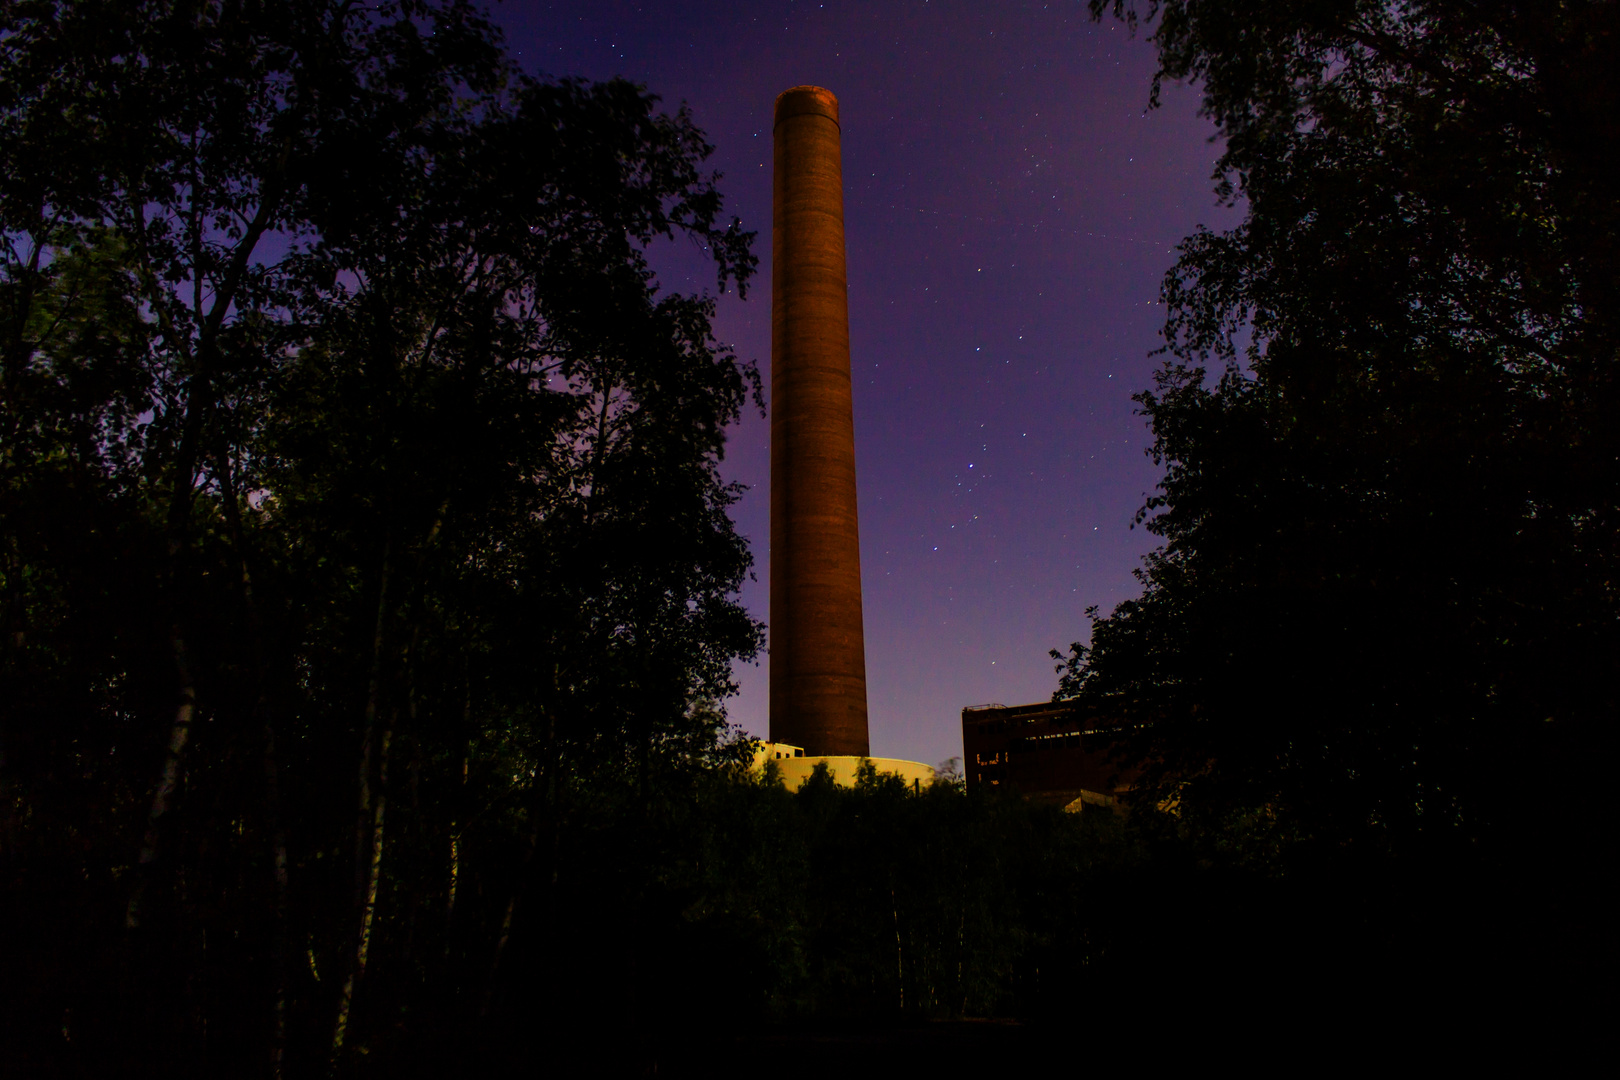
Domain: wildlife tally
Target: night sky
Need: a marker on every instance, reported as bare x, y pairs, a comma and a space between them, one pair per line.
1010, 210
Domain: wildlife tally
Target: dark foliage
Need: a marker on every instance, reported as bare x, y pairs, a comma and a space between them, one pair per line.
360, 510
1384, 619
732, 907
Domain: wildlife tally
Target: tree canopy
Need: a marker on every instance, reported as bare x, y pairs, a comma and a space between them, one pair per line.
353, 459
1385, 609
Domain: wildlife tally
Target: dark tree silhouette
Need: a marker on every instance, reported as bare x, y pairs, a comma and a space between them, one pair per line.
361, 510
1384, 618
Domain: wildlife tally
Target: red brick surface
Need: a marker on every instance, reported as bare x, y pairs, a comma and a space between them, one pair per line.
818, 653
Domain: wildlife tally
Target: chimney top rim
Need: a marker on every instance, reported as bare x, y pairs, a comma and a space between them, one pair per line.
806, 101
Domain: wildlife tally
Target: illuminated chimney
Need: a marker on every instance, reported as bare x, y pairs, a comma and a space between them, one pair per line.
818, 651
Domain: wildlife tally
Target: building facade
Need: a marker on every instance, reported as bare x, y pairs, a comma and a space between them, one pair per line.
1044, 752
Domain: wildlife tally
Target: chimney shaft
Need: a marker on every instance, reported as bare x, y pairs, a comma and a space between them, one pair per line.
818, 651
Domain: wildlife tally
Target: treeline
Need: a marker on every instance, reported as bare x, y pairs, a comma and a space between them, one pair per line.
733, 906
730, 924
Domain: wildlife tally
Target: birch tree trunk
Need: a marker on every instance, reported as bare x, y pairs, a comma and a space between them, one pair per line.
368, 909
169, 782
369, 813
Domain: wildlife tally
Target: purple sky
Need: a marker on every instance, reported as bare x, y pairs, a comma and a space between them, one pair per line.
1010, 210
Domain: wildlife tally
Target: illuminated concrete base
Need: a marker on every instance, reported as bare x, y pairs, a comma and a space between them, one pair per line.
795, 767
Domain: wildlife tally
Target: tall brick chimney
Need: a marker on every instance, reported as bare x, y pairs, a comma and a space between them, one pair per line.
818, 651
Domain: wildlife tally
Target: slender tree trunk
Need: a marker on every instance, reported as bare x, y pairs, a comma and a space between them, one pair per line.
278, 943
169, 782
199, 399
899, 953
460, 801
185, 711
272, 779
961, 951
545, 820
530, 845
180, 499
414, 900
369, 813
553, 803
368, 909
368, 735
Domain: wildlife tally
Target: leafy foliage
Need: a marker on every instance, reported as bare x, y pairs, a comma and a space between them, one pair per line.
733, 907
1385, 610
360, 506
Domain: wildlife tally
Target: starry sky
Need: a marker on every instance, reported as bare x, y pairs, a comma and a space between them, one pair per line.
1010, 209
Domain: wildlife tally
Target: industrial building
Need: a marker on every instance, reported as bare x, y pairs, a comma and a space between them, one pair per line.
794, 767
1046, 752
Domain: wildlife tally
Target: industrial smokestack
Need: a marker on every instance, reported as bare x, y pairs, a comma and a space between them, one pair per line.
818, 650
